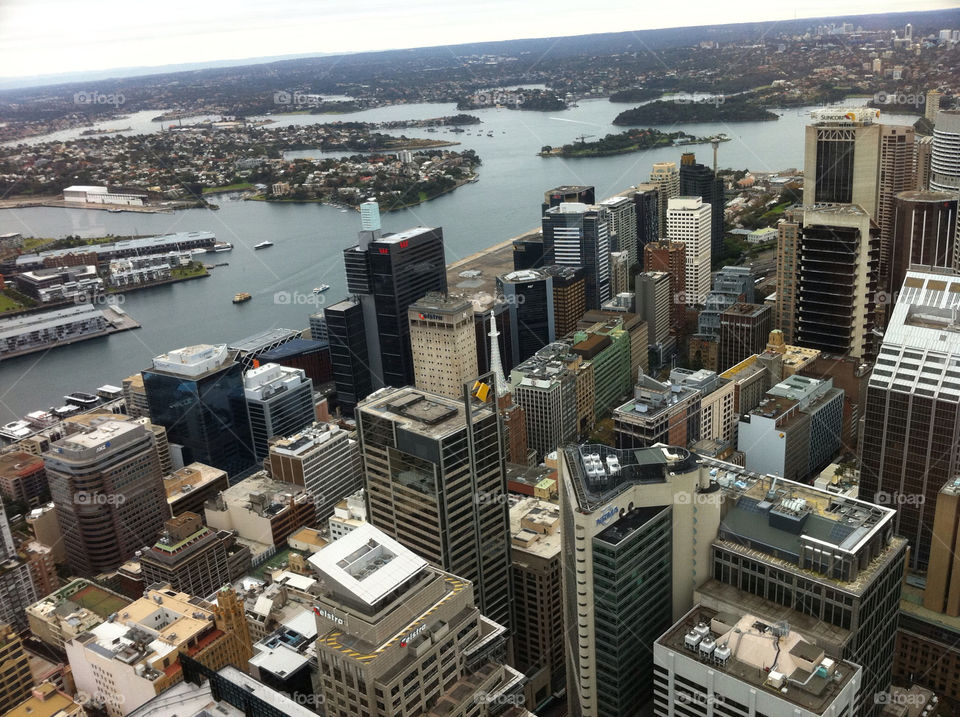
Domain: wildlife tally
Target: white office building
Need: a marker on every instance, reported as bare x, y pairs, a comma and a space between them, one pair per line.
688, 221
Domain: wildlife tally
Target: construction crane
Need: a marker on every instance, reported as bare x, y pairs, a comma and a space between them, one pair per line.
584, 137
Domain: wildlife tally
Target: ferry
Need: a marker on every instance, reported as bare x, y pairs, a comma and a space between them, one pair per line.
263, 245
320, 289
220, 246
82, 400
241, 297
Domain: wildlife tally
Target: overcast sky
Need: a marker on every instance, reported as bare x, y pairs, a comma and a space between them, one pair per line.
39, 37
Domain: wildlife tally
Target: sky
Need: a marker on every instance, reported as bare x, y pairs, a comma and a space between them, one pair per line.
41, 37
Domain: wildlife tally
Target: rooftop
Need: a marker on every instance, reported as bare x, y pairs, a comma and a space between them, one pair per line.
535, 526
192, 361
141, 245
420, 411
262, 339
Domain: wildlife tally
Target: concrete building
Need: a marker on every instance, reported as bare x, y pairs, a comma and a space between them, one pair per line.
444, 344
46, 700
538, 637
922, 157
397, 636
46, 529
932, 105
569, 297
923, 236
654, 304
100, 195
796, 429
731, 285
76, 608
135, 397
606, 347
576, 234
581, 193
896, 173
699, 180
190, 487
15, 677
32, 332
945, 158
528, 297
623, 226
744, 330
279, 403
619, 275
130, 660
436, 481
107, 486
324, 460
912, 412
23, 478
788, 271
104, 252
689, 221
546, 388
60, 284
709, 659
671, 257
666, 178
718, 417
348, 514
658, 413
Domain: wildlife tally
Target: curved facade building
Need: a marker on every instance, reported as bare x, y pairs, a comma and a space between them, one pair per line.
945, 160
924, 234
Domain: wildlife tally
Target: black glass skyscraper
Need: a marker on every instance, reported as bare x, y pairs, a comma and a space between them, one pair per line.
698, 180
646, 200
528, 296
577, 234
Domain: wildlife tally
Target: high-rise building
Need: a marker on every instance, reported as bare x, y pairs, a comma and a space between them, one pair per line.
23, 478
324, 460
318, 327
436, 482
942, 591
444, 343
349, 354
196, 393
837, 288
666, 178
788, 269
108, 488
910, 445
689, 221
744, 330
731, 285
189, 556
646, 199
569, 297
546, 388
279, 403
619, 274
576, 234
135, 396
512, 415
945, 158
654, 304
538, 637
699, 180
606, 347
580, 193
897, 173
528, 252
623, 226
386, 273
658, 413
671, 257
924, 235
922, 157
15, 677
249, 349
842, 158
397, 636
188, 488
528, 296
932, 105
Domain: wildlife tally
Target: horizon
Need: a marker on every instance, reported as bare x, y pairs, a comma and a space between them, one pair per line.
28, 40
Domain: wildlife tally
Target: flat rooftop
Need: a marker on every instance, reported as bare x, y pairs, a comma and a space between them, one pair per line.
420, 411
535, 527
262, 339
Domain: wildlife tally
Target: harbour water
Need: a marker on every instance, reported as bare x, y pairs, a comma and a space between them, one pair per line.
308, 238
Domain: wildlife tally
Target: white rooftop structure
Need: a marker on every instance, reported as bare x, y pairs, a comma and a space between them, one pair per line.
192, 360
268, 379
366, 563
572, 208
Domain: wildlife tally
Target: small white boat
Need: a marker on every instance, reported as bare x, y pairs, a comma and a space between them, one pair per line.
263, 245
320, 289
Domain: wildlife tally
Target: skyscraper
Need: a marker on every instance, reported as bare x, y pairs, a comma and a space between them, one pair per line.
436, 482
646, 199
699, 180
279, 403
196, 393
689, 221
924, 235
671, 257
108, 490
654, 304
576, 234
897, 173
744, 329
569, 297
546, 389
386, 273
349, 354
444, 343
17, 588
945, 158
528, 296
666, 179
623, 226
932, 105
910, 445
580, 193
788, 266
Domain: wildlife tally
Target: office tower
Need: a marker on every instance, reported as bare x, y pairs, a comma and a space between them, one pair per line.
788, 266
135, 396
569, 297
538, 638
386, 273
945, 158
15, 677
671, 257
279, 403
131, 659
922, 157
658, 413
108, 489
842, 157
312, 357
688, 221
576, 234
623, 226
605, 348
837, 287
23, 478
579, 193
666, 179
744, 330
932, 106
349, 354
796, 429
646, 200
398, 636
227, 691
897, 174
709, 659
318, 327
444, 343
189, 556
942, 591
196, 393
528, 252
323, 459
249, 349
47, 700
188, 488
924, 235
607, 322
528, 297
545, 387
17, 585
908, 32
435, 479
699, 180
912, 415
731, 285
619, 274
654, 297
718, 417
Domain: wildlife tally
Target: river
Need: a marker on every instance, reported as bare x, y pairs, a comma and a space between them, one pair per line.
308, 238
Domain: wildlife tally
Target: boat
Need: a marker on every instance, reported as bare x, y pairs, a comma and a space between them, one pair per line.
263, 245
320, 289
223, 263
114, 211
220, 246
241, 297
82, 400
